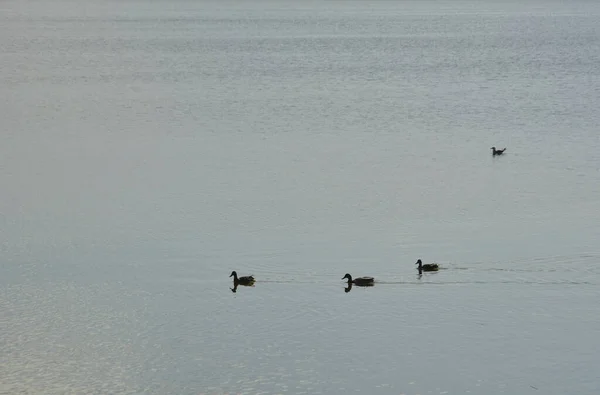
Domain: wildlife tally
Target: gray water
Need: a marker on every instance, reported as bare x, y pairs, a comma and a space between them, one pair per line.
149, 148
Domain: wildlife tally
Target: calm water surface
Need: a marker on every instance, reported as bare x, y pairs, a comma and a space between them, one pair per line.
151, 147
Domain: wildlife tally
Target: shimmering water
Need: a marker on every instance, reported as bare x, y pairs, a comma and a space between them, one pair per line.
151, 147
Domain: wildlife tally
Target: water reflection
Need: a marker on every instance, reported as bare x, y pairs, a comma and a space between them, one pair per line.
235, 286
430, 272
349, 286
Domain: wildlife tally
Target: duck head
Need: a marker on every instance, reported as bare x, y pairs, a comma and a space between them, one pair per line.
233, 274
347, 276
418, 262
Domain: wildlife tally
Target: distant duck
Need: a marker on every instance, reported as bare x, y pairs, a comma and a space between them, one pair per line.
246, 280
497, 151
428, 267
360, 281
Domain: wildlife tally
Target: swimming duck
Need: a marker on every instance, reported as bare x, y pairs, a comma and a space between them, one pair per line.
245, 280
497, 151
428, 267
359, 281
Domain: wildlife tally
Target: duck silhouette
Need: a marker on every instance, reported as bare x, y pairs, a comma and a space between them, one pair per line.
360, 281
497, 151
428, 267
244, 280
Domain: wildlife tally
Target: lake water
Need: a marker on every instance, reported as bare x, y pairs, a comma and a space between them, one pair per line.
149, 148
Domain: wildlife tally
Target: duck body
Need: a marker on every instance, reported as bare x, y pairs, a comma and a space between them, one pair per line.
497, 151
428, 267
360, 281
244, 280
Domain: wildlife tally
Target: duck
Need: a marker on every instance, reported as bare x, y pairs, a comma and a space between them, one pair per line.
428, 267
245, 280
497, 151
360, 281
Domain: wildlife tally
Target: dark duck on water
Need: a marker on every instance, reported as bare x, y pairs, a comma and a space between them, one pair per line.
497, 151
428, 267
360, 281
245, 280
